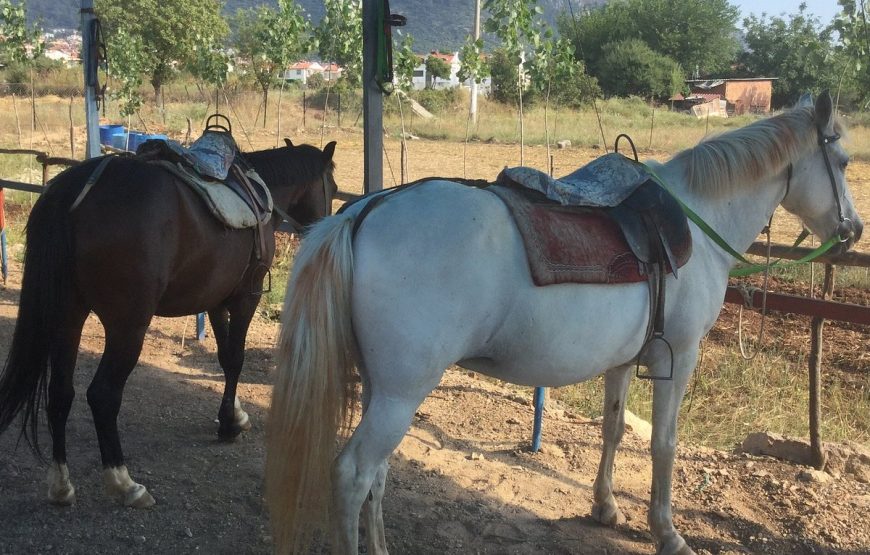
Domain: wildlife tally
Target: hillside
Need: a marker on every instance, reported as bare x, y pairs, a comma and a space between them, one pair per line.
434, 24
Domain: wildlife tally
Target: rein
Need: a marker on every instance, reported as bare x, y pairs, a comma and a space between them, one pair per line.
294, 225
844, 229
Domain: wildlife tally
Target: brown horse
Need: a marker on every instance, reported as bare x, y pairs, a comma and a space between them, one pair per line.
140, 243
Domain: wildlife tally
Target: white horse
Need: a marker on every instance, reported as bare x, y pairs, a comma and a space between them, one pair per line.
437, 275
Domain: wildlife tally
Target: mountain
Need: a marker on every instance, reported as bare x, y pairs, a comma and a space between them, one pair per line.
434, 24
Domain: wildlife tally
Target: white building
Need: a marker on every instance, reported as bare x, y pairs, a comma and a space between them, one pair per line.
421, 80
302, 70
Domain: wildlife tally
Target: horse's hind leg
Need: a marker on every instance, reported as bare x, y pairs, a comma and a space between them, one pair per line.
605, 509
230, 326
373, 513
362, 460
123, 346
60, 398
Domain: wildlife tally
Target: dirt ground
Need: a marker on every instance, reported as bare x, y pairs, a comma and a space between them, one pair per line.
462, 481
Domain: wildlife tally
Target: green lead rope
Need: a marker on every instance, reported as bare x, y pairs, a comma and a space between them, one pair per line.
751, 267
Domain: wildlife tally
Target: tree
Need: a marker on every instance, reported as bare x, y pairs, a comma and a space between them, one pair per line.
339, 37
700, 35
558, 76
171, 32
472, 64
854, 30
504, 75
436, 68
127, 64
633, 68
798, 51
405, 62
269, 39
20, 43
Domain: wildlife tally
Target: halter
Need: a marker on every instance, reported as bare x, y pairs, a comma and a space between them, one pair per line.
844, 229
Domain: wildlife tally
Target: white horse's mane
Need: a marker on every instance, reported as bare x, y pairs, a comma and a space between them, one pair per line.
747, 155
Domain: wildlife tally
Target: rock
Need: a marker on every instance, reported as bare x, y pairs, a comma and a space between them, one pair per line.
815, 476
476, 456
638, 426
772, 445
563, 143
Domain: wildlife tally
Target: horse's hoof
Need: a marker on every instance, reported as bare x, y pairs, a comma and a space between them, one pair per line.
608, 514
138, 498
674, 545
241, 423
242, 420
60, 490
120, 486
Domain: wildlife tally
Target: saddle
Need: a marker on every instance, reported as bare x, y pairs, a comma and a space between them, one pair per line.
214, 167
608, 222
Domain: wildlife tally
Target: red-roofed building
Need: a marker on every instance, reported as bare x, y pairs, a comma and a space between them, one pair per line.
303, 69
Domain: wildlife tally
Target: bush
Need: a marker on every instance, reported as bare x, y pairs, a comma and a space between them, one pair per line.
437, 100
630, 67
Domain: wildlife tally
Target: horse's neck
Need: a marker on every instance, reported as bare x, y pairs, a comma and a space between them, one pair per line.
737, 215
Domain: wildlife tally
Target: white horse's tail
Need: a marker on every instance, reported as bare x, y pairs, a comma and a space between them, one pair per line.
313, 396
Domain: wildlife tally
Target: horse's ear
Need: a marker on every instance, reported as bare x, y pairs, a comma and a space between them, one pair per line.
328, 151
288, 141
805, 101
824, 111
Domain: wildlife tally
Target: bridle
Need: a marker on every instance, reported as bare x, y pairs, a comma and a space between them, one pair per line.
845, 230
293, 225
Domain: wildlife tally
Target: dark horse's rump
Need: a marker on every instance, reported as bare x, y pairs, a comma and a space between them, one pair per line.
140, 244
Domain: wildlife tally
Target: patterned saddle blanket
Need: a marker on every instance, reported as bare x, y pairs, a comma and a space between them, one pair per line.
616, 234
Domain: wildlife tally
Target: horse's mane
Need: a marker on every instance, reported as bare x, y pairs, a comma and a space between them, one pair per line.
294, 166
748, 154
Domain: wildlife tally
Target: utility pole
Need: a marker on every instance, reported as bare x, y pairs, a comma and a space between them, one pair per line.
89, 59
472, 113
373, 101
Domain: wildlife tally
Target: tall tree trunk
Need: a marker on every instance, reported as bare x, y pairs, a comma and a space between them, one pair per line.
265, 103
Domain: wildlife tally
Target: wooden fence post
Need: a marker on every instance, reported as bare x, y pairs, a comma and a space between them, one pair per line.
815, 363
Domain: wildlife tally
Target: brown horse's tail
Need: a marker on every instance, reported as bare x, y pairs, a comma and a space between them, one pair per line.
45, 290
313, 395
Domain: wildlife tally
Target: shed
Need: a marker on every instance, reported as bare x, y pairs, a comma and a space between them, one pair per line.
745, 95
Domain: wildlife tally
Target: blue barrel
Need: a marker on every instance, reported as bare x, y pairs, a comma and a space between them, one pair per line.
136, 139
108, 131
119, 140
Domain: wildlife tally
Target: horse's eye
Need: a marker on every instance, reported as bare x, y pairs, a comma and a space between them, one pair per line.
843, 164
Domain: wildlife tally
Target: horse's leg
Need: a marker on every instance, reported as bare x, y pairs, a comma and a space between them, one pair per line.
605, 509
60, 398
123, 346
373, 513
667, 395
230, 324
363, 458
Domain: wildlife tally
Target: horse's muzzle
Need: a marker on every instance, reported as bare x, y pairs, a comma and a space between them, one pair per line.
849, 233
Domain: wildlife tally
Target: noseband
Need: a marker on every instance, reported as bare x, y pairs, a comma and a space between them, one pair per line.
844, 229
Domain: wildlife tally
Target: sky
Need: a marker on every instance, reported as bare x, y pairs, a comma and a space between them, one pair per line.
824, 9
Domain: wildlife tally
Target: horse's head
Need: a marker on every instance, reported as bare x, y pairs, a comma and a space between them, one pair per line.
817, 191
311, 170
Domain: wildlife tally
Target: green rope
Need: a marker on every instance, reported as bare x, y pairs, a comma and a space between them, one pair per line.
751, 267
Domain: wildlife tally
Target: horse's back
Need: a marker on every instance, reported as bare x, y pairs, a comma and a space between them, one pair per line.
140, 233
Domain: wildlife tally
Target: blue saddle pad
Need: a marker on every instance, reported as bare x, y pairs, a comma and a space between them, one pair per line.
211, 155
604, 182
